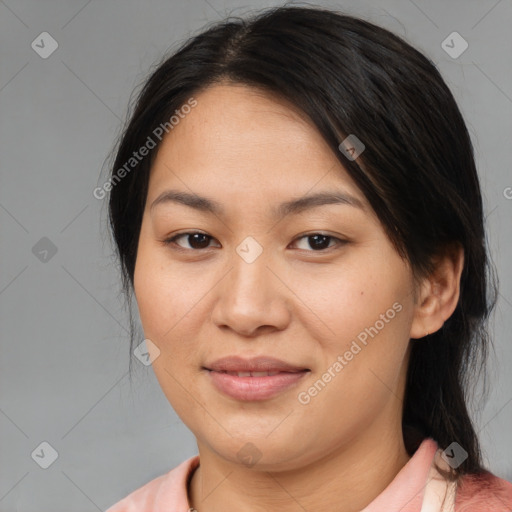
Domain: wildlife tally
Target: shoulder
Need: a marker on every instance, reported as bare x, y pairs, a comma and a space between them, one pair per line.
483, 492
166, 492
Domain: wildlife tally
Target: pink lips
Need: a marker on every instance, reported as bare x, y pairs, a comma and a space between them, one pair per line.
255, 386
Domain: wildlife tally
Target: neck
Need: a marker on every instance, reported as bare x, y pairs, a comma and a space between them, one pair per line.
346, 480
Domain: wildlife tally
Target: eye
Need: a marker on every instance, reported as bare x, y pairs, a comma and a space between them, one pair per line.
195, 239
319, 242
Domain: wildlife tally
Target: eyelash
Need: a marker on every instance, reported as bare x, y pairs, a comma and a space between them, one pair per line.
172, 241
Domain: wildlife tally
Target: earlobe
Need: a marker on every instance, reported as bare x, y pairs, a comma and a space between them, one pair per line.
438, 293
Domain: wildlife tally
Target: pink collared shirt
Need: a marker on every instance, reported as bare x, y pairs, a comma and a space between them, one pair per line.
412, 490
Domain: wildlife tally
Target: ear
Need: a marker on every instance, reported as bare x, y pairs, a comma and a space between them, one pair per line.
438, 294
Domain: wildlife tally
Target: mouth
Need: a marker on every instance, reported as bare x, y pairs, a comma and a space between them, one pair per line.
253, 365
253, 378
256, 373
256, 385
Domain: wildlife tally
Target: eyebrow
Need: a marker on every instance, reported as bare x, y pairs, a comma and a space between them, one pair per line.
294, 206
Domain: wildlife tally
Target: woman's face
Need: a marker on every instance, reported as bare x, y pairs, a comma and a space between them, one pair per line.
258, 282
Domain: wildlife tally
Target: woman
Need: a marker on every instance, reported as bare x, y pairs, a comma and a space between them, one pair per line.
296, 206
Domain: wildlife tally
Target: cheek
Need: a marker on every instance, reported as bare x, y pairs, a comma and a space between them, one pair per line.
362, 364
367, 288
165, 296
167, 303
373, 318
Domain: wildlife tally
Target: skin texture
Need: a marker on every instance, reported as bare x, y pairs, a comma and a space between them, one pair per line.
250, 151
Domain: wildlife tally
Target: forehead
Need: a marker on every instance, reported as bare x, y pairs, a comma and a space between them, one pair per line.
243, 138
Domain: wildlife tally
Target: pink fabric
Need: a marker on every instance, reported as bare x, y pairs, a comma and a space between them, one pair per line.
477, 493
405, 492
484, 493
167, 493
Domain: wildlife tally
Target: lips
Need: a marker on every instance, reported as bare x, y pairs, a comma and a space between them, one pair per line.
254, 365
253, 374
257, 378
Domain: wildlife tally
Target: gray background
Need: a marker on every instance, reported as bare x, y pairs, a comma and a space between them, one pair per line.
64, 344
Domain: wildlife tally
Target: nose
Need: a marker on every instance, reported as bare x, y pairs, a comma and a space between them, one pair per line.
251, 300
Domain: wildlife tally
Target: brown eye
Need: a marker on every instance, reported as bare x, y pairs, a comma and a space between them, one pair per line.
195, 240
319, 242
